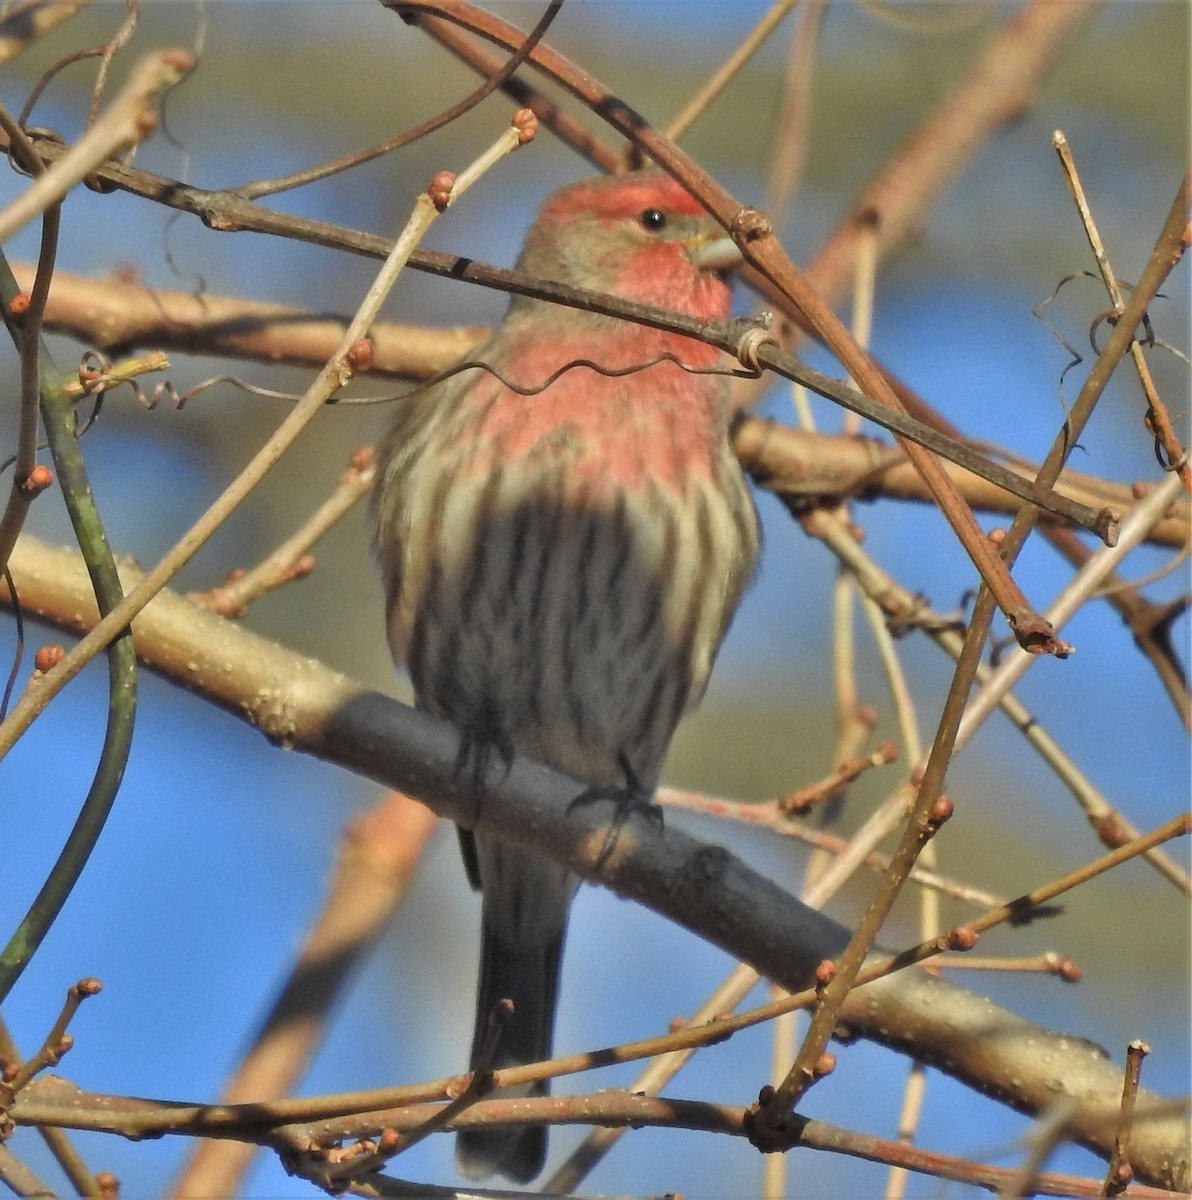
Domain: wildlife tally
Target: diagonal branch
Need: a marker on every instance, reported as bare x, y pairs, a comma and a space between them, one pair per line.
301, 704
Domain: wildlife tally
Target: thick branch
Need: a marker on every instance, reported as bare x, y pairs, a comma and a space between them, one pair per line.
302, 704
115, 314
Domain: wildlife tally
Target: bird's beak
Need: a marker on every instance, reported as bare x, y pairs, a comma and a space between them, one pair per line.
715, 254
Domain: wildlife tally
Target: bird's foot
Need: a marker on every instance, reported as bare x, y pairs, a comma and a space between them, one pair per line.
626, 801
481, 740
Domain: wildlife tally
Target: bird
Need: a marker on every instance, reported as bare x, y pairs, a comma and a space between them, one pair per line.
564, 534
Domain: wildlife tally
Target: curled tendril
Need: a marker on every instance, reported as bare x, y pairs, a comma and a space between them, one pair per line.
105, 51
1110, 317
1162, 457
95, 375
96, 378
475, 364
1076, 357
1144, 335
180, 398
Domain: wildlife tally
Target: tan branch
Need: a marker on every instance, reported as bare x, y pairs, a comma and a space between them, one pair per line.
816, 467
114, 313
304, 705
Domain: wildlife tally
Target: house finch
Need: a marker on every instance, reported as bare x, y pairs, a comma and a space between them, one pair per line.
562, 554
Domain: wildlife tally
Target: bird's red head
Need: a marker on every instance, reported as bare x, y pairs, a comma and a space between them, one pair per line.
642, 236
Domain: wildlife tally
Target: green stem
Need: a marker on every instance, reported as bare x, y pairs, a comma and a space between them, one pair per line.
58, 417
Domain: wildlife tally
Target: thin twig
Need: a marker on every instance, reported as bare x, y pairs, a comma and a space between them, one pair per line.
487, 63
1159, 419
133, 1117
728, 70
619, 1107
1079, 589
296, 701
292, 559
54, 1046
225, 211
1150, 623
1047, 963
129, 119
26, 329
58, 418
907, 611
110, 312
928, 810
768, 815
1119, 1172
808, 469
760, 247
81, 1177
501, 71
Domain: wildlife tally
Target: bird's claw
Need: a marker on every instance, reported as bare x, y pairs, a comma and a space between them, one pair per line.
626, 802
480, 739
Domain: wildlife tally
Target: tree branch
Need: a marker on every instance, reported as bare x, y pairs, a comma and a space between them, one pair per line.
302, 704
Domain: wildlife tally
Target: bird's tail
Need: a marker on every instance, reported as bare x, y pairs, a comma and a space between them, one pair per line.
529, 977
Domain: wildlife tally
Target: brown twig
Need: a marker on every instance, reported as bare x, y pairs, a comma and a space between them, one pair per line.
766, 814
117, 314
619, 1107
28, 481
846, 771
967, 933
811, 469
805, 467
929, 809
501, 71
1120, 1173
57, 1042
1149, 623
1158, 418
1047, 963
1075, 593
522, 93
225, 211
292, 559
907, 611
81, 1177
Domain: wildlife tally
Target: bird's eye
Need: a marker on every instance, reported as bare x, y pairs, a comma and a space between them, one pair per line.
653, 219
